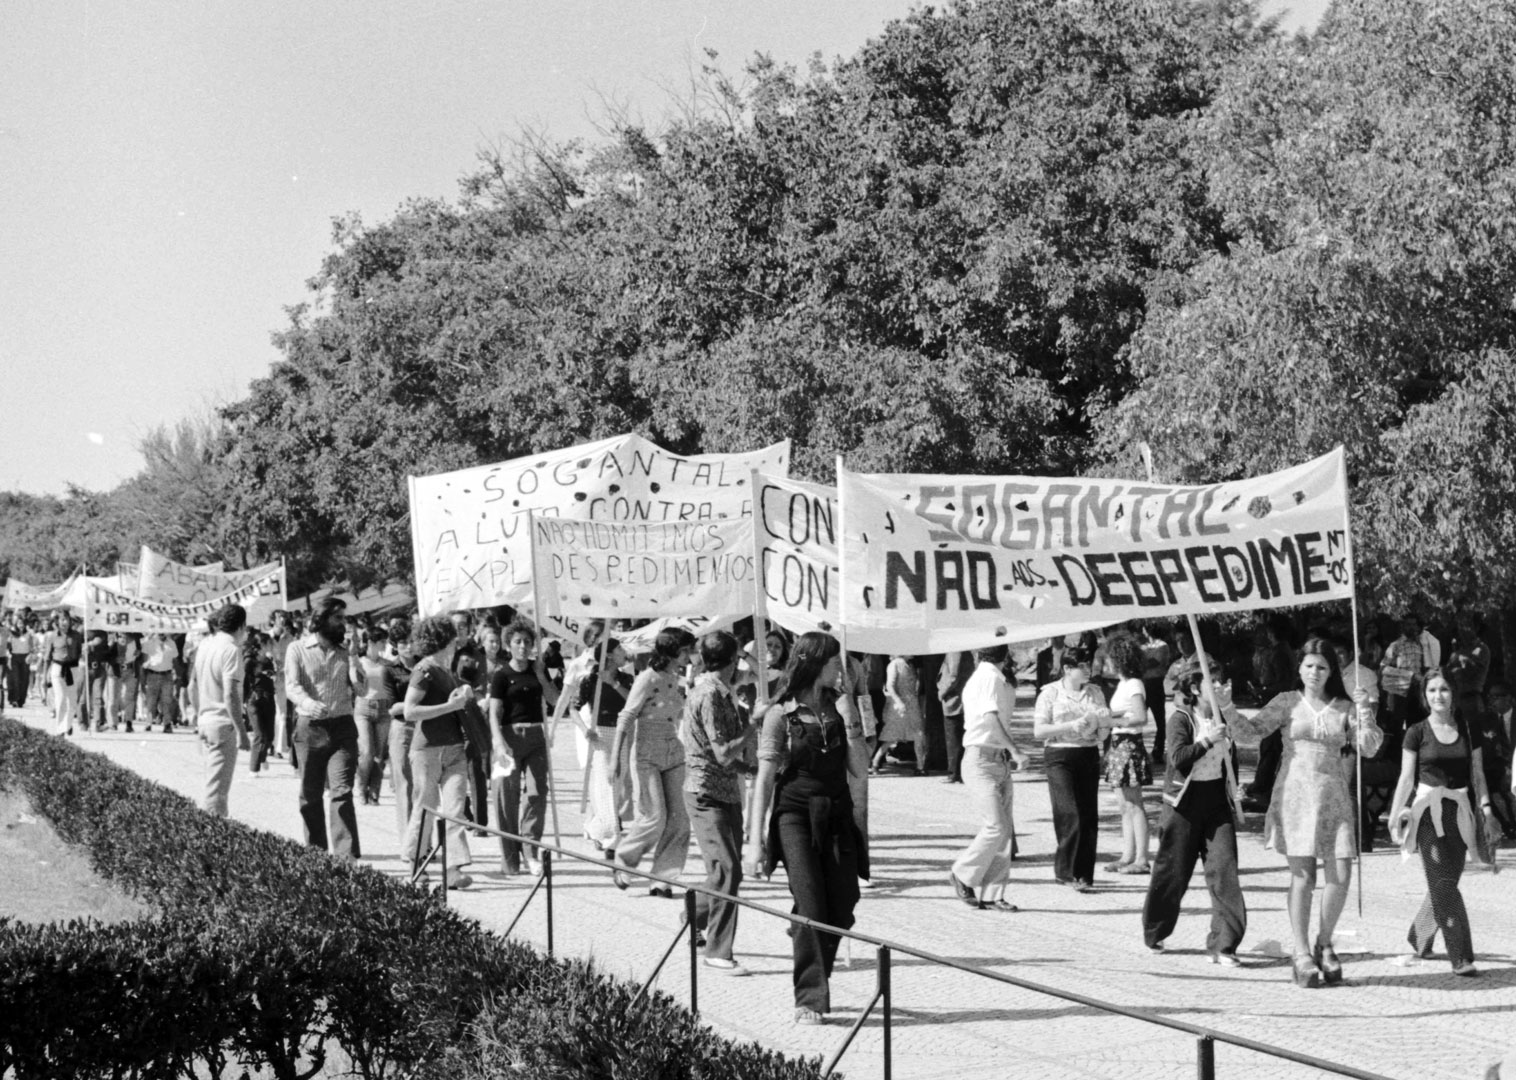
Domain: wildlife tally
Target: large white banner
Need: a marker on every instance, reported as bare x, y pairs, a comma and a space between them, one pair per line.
106, 608
954, 562
18, 594
633, 570
469, 528
164, 581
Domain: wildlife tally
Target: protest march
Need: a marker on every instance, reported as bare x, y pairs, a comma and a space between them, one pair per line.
727, 644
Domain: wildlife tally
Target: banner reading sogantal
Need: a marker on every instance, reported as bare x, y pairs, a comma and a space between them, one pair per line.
950, 562
633, 570
109, 609
469, 528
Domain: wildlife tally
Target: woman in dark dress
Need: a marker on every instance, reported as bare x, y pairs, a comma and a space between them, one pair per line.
803, 775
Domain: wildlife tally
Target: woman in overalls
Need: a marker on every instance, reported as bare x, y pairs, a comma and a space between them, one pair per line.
803, 775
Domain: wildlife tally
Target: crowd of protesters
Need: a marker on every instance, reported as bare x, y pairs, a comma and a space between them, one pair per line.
693, 738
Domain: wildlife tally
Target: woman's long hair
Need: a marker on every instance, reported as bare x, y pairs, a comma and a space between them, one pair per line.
1319, 646
810, 655
668, 645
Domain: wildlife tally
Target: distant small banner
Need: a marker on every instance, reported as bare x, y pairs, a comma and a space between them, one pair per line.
643, 570
18, 594
953, 562
106, 608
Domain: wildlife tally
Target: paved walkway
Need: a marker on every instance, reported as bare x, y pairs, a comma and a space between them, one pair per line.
1402, 1021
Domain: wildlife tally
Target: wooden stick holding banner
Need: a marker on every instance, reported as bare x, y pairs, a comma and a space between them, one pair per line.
1200, 649
597, 675
1347, 532
760, 605
552, 728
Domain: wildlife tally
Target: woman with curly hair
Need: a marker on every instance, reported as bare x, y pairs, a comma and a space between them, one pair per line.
1128, 768
439, 762
649, 724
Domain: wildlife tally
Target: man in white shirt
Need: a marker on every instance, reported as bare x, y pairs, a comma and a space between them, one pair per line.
216, 700
158, 655
215, 695
982, 870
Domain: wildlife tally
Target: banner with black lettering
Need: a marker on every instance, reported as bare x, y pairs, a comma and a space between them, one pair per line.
106, 608
795, 538
164, 581
469, 528
642, 570
953, 562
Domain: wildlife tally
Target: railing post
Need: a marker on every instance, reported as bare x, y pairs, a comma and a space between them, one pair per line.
442, 844
1205, 1058
884, 994
547, 879
690, 908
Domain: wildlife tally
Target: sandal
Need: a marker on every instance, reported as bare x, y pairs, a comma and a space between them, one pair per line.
1331, 967
1135, 868
622, 881
808, 1016
1306, 973
1001, 905
1117, 867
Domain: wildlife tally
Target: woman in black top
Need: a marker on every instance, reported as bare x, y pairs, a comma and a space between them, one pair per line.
433, 701
803, 774
602, 696
518, 693
1441, 761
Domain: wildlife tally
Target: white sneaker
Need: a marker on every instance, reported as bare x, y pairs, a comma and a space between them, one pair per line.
725, 967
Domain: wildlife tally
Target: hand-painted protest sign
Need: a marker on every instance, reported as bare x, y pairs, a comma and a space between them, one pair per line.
108, 609
795, 535
643, 570
18, 594
950, 562
162, 580
129, 578
469, 528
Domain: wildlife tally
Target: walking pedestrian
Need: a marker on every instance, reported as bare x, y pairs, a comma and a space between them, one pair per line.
318, 681
803, 762
215, 694
990, 755
1199, 819
518, 694
1433, 812
1070, 716
434, 701
716, 738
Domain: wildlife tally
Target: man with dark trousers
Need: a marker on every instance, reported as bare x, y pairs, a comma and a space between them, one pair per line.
318, 682
951, 678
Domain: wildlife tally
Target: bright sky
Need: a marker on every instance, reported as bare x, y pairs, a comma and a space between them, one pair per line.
169, 169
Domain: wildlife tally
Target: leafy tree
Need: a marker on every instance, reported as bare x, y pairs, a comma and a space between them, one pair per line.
1369, 174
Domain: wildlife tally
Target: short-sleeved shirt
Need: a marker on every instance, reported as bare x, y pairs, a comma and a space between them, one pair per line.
1057, 705
1121, 700
987, 692
218, 664
1440, 764
520, 692
612, 698
436, 684
710, 715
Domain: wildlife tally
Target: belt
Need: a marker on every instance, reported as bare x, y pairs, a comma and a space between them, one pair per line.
998, 753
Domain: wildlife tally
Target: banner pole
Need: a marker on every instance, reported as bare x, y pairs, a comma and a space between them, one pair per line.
589, 765
760, 602
1200, 651
1347, 534
552, 774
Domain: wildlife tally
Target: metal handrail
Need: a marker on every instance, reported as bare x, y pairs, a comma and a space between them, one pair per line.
1206, 1037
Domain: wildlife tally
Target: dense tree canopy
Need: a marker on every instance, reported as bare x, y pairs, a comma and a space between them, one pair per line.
1004, 236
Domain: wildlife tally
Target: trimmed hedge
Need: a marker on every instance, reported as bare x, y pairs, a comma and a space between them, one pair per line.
265, 954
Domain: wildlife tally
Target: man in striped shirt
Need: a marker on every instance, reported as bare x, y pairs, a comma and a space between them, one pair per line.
318, 683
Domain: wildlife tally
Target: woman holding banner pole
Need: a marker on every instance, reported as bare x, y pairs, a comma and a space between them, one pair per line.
601, 695
1311, 818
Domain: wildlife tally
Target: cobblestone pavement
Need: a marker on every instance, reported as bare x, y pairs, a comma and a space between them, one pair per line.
1400, 1021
